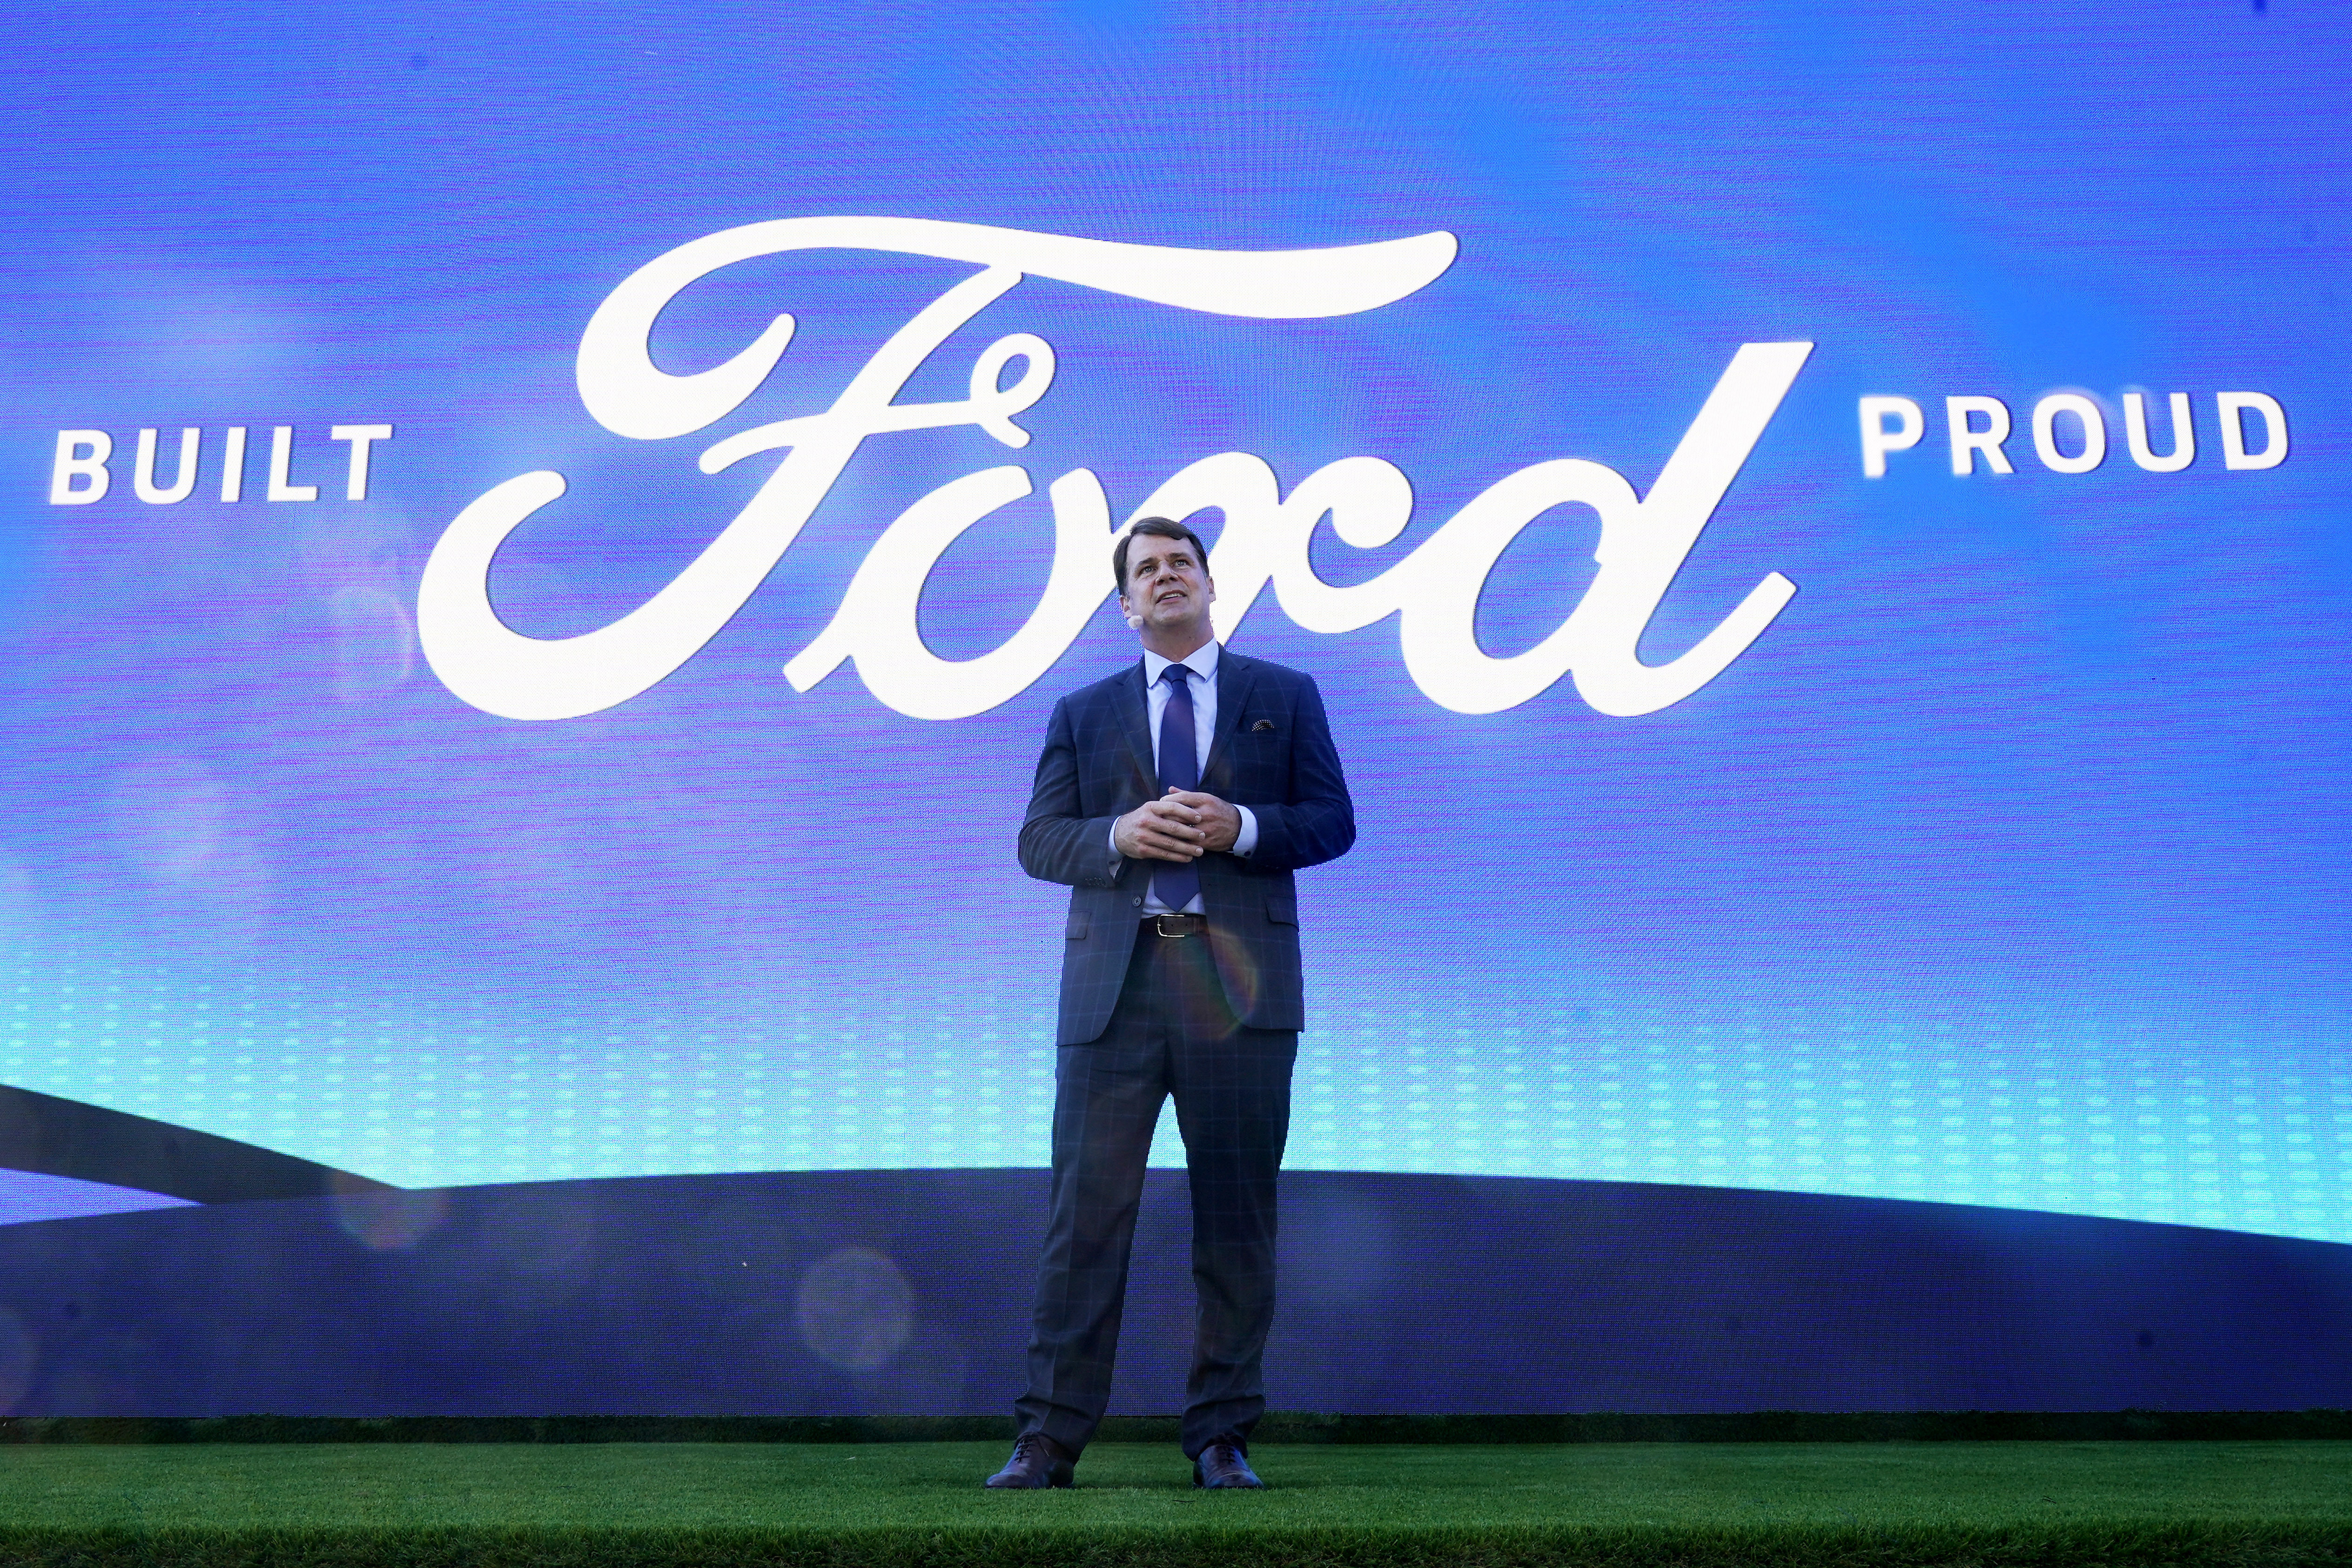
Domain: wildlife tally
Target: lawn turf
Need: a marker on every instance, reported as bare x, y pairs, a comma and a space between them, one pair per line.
1838, 1505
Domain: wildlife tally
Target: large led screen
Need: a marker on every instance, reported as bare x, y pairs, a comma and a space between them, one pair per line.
541, 543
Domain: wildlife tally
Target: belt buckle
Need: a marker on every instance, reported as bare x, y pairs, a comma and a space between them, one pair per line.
1160, 924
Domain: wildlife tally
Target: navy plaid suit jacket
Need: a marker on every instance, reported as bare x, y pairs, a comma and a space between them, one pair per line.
1272, 751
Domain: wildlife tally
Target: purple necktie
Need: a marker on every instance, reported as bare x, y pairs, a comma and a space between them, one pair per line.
1180, 768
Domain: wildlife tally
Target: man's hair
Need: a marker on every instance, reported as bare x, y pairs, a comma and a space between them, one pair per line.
1160, 528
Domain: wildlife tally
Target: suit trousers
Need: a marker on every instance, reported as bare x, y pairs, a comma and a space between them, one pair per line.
1172, 1032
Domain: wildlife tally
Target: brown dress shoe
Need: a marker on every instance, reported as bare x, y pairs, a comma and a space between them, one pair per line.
1224, 1463
1037, 1461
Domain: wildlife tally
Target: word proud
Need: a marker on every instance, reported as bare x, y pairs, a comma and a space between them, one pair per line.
80, 475
1979, 427
1432, 591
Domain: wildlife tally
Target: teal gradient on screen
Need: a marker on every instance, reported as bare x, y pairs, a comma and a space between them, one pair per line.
2009, 866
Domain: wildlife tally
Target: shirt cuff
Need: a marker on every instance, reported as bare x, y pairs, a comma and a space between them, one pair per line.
1116, 859
1246, 842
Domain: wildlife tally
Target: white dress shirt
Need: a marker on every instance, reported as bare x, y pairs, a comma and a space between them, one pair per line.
1201, 675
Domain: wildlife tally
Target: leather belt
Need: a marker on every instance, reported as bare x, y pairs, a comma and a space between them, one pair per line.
1176, 925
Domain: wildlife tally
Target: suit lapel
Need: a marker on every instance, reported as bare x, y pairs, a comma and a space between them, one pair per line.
1135, 724
1235, 676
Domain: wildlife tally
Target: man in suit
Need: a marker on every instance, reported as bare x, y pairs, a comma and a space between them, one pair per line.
1175, 798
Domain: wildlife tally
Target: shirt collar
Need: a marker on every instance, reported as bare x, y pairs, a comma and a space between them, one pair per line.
1201, 661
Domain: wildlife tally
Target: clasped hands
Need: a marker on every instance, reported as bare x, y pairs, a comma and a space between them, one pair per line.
1182, 825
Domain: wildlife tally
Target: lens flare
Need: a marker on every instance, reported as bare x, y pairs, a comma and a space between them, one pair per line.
856, 1308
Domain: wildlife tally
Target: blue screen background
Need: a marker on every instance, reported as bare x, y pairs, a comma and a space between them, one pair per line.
2009, 867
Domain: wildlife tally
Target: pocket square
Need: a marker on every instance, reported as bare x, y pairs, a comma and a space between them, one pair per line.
1262, 726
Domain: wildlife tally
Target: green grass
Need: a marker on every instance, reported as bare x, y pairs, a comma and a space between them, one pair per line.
896, 1504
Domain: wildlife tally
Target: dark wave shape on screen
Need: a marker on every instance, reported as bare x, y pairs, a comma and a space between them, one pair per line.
54, 1137
906, 1292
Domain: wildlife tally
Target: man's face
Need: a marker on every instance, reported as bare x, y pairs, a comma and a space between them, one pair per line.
1168, 586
